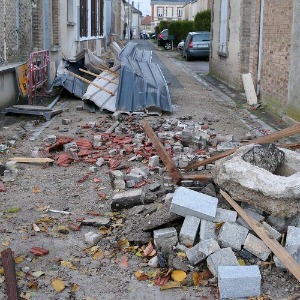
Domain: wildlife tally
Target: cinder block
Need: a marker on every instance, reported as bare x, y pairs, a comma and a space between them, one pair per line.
165, 239
207, 230
201, 250
189, 230
188, 202
222, 257
68, 146
135, 177
66, 121
274, 233
232, 235
257, 247
239, 281
254, 215
294, 251
100, 161
127, 199
153, 161
51, 139
225, 215
293, 237
115, 174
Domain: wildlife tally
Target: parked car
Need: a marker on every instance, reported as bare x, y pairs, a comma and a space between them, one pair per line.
197, 44
153, 35
163, 40
180, 46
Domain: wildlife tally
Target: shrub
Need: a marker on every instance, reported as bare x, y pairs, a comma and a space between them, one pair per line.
202, 21
180, 29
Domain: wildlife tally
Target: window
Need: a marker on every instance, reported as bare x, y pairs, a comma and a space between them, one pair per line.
91, 18
160, 11
70, 11
179, 12
223, 27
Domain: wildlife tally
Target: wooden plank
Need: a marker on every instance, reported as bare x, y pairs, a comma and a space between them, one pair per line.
99, 76
198, 177
92, 83
169, 164
249, 89
264, 234
263, 140
106, 69
10, 275
31, 159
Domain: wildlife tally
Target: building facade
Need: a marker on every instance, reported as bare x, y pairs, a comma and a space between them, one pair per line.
190, 9
261, 37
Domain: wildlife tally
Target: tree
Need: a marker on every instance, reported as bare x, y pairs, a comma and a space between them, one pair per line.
202, 21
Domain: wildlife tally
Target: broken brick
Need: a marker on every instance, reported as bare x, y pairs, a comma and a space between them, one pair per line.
2, 187
39, 251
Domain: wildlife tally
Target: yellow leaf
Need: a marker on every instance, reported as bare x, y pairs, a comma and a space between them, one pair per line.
94, 249
36, 189
178, 275
67, 264
1, 271
62, 229
35, 227
170, 285
140, 275
219, 225
98, 255
19, 259
75, 287
196, 277
181, 254
139, 254
19, 274
38, 274
58, 284
5, 244
124, 243
241, 262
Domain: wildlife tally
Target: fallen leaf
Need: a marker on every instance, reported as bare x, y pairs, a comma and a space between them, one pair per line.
203, 282
219, 225
36, 189
196, 277
37, 274
5, 244
62, 229
160, 280
20, 274
178, 275
206, 274
58, 284
139, 254
67, 264
32, 285
123, 243
124, 261
181, 254
94, 249
25, 296
39, 251
140, 275
171, 285
105, 230
1, 271
149, 251
75, 287
19, 259
36, 227
98, 255
241, 262
2, 279
13, 210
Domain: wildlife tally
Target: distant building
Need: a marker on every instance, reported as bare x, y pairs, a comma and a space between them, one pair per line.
191, 8
146, 24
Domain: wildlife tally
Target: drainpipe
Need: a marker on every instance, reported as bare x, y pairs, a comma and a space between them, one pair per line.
260, 44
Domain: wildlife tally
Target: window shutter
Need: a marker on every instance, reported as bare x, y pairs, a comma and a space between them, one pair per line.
83, 18
223, 26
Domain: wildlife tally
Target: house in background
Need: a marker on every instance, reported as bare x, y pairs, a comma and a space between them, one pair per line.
190, 9
261, 37
146, 24
166, 10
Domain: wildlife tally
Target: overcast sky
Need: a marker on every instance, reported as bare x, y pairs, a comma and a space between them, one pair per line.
142, 5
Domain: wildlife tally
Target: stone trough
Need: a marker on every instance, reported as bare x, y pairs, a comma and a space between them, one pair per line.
264, 176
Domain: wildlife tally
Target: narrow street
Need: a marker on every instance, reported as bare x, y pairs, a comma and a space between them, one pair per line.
58, 206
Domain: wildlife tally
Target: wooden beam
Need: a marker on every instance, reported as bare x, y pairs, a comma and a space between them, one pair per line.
32, 159
169, 164
92, 83
10, 275
263, 140
103, 68
198, 177
99, 76
271, 243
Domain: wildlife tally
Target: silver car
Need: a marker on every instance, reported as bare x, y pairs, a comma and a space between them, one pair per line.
197, 44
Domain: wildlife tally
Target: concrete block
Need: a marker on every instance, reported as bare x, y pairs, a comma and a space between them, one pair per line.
79, 107
92, 238
100, 162
140, 171
239, 281
115, 174
66, 121
129, 183
68, 146
274, 233
165, 239
189, 230
293, 236
292, 250
119, 184
187, 183
153, 161
207, 230
97, 141
51, 139
254, 215
232, 235
225, 215
257, 247
9, 175
188, 202
222, 257
127, 199
200, 251
135, 177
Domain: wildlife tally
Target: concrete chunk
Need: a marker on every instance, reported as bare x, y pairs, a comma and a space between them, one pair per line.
223, 257
225, 215
127, 199
92, 238
232, 235
274, 233
188, 202
165, 239
200, 251
207, 230
257, 247
293, 236
189, 230
239, 281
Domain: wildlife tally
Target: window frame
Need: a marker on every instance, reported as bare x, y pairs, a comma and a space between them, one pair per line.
223, 28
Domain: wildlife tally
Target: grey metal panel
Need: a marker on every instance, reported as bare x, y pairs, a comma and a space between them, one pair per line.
128, 50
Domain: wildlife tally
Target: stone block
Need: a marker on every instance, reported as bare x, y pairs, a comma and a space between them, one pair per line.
293, 237
188, 202
200, 251
115, 174
51, 139
119, 184
239, 281
207, 230
135, 177
165, 239
222, 257
97, 141
257, 247
100, 162
232, 235
70, 145
274, 233
254, 215
66, 121
9, 175
92, 238
225, 215
127, 199
153, 161
189, 230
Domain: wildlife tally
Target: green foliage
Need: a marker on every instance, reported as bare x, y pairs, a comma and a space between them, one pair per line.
180, 29
163, 25
202, 21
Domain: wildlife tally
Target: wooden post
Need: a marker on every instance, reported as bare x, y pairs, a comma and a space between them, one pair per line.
99, 76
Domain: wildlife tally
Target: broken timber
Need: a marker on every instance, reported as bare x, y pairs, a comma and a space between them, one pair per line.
31, 159
99, 76
198, 177
271, 243
92, 83
10, 275
169, 164
266, 139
